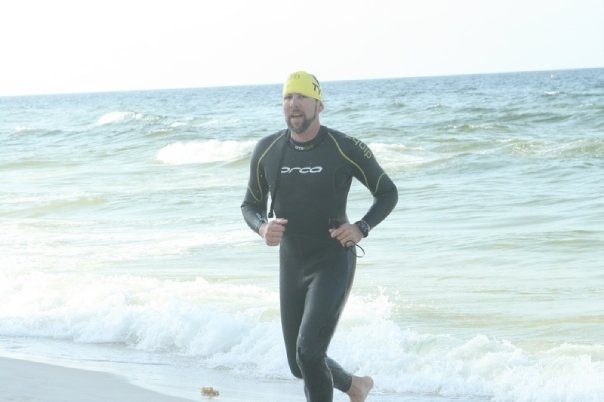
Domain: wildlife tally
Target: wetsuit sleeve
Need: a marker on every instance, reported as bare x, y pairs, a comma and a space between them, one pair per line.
256, 196
370, 173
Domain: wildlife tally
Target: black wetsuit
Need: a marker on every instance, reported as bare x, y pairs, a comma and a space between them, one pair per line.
316, 272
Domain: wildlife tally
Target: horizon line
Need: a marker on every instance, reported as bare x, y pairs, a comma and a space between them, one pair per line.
173, 88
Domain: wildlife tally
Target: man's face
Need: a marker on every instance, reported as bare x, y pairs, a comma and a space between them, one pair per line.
300, 111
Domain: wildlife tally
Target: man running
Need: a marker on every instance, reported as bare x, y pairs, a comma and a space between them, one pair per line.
307, 170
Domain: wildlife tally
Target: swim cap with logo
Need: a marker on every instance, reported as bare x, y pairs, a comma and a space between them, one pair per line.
303, 83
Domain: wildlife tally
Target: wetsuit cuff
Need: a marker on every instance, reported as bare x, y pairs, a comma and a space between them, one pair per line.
259, 222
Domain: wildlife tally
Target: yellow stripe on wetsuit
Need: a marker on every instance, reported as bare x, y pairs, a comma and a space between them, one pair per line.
357, 165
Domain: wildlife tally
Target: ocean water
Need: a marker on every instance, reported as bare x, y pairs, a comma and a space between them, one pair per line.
122, 245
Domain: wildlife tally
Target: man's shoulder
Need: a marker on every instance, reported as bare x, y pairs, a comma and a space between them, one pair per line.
277, 134
269, 140
338, 135
268, 145
350, 144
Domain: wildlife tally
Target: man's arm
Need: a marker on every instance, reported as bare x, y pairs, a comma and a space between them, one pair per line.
371, 174
254, 203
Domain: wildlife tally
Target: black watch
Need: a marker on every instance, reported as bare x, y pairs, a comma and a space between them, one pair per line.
364, 227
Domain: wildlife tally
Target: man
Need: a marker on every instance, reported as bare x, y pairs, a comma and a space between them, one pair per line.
307, 169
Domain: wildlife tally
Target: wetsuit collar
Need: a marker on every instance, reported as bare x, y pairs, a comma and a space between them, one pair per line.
308, 145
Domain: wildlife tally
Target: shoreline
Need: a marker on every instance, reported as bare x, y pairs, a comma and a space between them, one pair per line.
33, 381
25, 380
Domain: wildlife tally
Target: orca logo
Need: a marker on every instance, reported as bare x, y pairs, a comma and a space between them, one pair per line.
301, 170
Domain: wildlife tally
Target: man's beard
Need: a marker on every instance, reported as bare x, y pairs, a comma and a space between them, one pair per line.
304, 126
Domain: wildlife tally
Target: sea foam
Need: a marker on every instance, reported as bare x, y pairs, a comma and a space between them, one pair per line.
208, 151
237, 327
121, 116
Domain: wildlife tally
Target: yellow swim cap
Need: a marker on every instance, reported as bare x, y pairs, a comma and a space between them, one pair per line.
303, 83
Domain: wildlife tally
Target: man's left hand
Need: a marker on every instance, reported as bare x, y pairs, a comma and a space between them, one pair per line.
347, 234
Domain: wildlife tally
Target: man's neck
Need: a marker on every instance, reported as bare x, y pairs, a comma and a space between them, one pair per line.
307, 135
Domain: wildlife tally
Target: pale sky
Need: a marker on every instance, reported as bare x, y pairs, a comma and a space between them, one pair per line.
59, 46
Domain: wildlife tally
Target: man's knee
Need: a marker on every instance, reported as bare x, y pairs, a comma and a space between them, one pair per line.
309, 358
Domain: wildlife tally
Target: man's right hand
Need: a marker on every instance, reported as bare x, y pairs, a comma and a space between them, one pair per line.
272, 232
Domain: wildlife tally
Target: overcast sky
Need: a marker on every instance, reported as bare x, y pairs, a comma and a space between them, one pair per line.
60, 46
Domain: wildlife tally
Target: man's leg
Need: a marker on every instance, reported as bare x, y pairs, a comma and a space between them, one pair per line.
327, 293
292, 295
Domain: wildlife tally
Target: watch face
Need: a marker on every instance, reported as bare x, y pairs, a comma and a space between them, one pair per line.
364, 227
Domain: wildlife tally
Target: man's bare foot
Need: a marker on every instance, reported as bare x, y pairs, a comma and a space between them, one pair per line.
359, 388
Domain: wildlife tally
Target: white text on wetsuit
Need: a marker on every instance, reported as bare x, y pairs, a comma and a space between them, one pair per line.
302, 170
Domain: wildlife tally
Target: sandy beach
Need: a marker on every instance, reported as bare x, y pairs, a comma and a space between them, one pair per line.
29, 381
